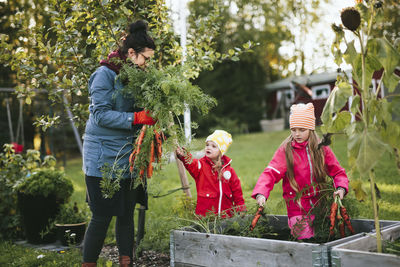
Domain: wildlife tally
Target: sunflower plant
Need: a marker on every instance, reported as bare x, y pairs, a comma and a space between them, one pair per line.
368, 122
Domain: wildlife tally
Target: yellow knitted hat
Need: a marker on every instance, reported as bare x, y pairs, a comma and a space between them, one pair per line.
222, 138
302, 116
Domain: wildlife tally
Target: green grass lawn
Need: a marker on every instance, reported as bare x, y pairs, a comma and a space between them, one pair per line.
251, 154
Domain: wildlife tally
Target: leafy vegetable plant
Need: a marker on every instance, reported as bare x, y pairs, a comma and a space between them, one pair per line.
166, 92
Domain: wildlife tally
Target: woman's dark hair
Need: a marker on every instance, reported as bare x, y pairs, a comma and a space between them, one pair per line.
138, 39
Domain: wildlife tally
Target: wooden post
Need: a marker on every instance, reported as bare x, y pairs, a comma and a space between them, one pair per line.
183, 176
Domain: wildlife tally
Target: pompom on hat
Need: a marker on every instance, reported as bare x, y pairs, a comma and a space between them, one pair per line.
302, 116
222, 138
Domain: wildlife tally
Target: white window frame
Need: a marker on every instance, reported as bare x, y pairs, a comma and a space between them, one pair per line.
286, 93
316, 88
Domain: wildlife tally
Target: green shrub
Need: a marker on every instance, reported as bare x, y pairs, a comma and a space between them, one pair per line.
11, 170
29, 174
46, 182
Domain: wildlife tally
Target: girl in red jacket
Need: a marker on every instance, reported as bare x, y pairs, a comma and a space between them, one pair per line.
302, 166
218, 187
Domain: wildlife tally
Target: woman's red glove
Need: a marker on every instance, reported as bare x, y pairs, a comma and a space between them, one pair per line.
143, 117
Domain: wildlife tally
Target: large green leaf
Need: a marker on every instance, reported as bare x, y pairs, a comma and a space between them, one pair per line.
353, 145
371, 148
391, 81
396, 105
350, 55
340, 121
354, 59
359, 192
390, 134
355, 104
388, 57
336, 101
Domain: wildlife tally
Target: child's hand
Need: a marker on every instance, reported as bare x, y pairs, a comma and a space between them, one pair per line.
180, 152
260, 200
340, 191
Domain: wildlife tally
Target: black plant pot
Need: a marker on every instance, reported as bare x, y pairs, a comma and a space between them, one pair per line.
37, 212
71, 234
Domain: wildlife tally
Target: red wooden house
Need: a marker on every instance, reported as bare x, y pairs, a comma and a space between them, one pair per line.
313, 88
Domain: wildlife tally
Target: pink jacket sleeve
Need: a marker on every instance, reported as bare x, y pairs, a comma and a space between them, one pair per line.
334, 170
271, 175
191, 164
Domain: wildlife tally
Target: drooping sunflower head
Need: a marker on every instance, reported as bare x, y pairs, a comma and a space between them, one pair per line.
351, 18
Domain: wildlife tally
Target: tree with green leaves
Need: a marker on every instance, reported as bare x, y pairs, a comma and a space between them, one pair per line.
238, 86
59, 48
375, 132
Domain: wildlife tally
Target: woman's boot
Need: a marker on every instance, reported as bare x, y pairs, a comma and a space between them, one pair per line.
125, 261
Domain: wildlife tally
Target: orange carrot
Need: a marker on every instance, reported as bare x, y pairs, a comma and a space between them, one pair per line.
158, 138
132, 157
332, 217
151, 160
346, 219
140, 138
341, 229
141, 173
256, 218
135, 152
340, 225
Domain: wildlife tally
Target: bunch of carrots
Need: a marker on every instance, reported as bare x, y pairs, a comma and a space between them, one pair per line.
338, 213
154, 153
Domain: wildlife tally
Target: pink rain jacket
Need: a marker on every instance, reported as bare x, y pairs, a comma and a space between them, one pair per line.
219, 196
276, 170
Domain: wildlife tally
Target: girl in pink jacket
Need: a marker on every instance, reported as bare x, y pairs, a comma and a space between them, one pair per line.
218, 187
302, 166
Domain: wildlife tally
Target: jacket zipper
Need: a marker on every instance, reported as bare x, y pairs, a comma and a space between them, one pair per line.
311, 172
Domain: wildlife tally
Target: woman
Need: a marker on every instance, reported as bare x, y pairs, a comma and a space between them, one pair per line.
110, 131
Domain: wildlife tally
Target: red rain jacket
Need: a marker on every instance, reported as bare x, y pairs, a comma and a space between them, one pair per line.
214, 195
276, 170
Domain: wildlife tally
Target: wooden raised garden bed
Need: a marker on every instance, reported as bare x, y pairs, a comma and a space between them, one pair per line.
362, 251
190, 248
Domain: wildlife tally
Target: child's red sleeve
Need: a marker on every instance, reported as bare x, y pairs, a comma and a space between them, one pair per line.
191, 164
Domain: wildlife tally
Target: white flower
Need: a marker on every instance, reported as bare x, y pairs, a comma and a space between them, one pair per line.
40, 256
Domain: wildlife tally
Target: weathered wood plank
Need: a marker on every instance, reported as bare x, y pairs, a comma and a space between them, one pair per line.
219, 250
189, 249
363, 259
359, 252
